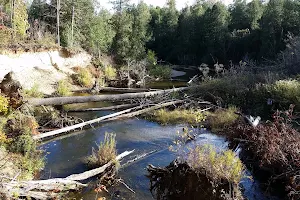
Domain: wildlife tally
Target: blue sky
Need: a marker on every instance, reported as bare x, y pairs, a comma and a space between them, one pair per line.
179, 3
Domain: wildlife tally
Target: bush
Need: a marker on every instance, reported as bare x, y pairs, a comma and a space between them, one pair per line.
222, 118
163, 116
63, 88
33, 92
273, 148
84, 77
110, 72
106, 152
160, 71
4, 105
217, 165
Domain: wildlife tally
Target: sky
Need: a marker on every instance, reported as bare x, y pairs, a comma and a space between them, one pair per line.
179, 3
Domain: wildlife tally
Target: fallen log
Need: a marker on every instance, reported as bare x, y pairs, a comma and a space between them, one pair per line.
139, 112
95, 98
105, 118
52, 188
49, 134
114, 89
103, 108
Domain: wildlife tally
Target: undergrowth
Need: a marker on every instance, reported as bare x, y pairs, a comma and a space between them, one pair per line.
217, 165
63, 88
83, 77
274, 148
34, 92
222, 118
160, 71
164, 116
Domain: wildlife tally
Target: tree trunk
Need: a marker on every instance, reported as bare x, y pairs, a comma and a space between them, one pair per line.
95, 98
104, 108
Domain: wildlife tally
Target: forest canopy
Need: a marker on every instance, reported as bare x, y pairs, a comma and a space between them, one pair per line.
205, 32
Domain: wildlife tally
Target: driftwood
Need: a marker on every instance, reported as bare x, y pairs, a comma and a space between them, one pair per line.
51, 188
95, 98
104, 108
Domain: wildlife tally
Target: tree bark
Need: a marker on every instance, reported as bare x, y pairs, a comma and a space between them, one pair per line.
95, 98
52, 188
123, 90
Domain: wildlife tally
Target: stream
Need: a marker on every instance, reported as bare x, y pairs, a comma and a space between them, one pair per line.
65, 155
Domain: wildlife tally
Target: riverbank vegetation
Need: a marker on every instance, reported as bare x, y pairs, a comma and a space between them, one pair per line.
186, 116
105, 152
202, 173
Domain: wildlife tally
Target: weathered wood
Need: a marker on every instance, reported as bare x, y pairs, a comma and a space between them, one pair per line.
114, 89
49, 134
45, 189
81, 125
94, 172
95, 98
104, 108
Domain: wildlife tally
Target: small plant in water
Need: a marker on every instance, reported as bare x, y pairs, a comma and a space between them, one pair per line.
106, 152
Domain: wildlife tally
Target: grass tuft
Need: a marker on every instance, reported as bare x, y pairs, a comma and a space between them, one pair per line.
218, 165
63, 88
33, 92
222, 118
106, 152
192, 117
110, 72
4, 105
84, 77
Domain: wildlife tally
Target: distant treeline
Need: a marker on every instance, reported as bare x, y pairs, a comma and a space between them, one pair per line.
207, 31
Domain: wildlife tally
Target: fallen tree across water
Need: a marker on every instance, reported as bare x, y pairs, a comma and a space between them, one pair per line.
107, 117
103, 108
95, 98
51, 188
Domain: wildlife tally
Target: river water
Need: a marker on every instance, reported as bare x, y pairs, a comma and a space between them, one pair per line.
65, 155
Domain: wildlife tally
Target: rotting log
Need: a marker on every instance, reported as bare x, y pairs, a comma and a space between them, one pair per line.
95, 98
104, 108
52, 188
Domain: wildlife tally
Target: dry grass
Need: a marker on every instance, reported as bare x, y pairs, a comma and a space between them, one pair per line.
217, 165
222, 118
4, 105
83, 77
192, 117
106, 152
34, 92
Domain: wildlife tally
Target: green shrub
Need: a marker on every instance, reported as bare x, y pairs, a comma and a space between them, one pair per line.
222, 118
33, 92
106, 151
217, 165
193, 117
110, 72
84, 77
4, 105
63, 88
160, 71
